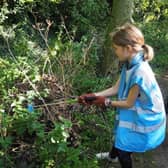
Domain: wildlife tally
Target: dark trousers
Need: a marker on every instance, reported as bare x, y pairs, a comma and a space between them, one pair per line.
123, 156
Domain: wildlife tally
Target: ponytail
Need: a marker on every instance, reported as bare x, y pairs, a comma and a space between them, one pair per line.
129, 34
148, 52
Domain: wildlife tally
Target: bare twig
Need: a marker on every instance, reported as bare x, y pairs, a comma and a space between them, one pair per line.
83, 60
45, 38
87, 50
65, 28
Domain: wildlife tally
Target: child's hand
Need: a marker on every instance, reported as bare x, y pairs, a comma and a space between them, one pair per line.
84, 99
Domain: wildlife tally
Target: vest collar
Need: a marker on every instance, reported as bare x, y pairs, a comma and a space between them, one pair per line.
135, 60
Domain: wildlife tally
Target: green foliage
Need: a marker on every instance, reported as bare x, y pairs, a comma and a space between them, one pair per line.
63, 39
147, 11
49, 148
27, 53
153, 16
89, 14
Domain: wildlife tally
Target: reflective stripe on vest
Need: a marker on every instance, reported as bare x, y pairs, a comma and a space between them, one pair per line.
141, 110
140, 129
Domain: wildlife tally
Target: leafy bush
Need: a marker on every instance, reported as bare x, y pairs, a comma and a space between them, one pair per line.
20, 128
147, 11
152, 18
28, 53
156, 35
60, 40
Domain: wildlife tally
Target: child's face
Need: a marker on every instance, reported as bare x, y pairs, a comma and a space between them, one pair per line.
123, 53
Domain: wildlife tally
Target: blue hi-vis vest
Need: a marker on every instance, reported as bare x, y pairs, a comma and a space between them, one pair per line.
141, 127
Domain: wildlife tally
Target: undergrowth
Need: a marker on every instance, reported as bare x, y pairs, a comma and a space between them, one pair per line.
48, 56
38, 70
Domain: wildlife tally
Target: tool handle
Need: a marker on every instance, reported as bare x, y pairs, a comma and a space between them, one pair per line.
90, 99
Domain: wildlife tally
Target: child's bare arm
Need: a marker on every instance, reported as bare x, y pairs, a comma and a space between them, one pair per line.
129, 102
109, 92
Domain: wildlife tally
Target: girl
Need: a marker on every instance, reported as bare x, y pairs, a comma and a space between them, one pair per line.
140, 119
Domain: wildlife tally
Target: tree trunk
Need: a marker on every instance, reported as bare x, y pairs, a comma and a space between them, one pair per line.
122, 11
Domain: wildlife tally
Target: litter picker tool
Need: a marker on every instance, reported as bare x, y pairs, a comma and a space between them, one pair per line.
70, 101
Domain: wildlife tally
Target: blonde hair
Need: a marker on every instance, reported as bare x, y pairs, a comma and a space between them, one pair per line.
129, 34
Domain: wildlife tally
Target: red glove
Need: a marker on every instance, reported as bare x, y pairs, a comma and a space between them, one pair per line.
87, 99
100, 101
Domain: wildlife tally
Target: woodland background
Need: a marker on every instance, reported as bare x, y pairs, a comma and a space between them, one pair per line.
52, 51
